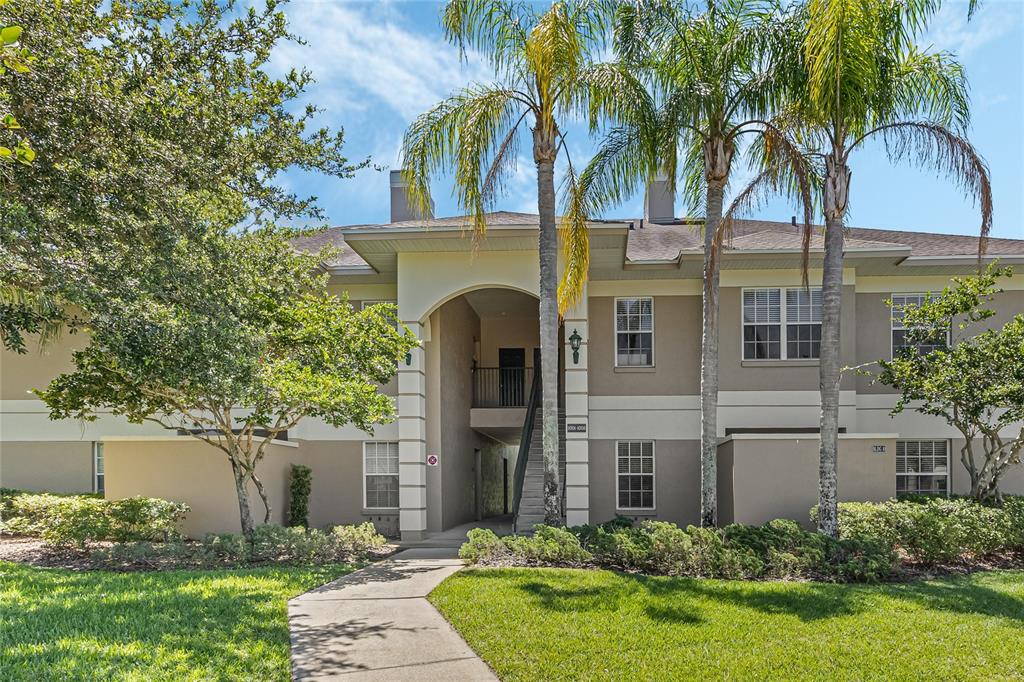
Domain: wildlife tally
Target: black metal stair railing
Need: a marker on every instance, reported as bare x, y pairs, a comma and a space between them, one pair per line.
501, 386
524, 444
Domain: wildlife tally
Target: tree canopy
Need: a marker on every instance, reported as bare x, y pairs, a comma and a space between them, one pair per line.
976, 384
235, 339
151, 120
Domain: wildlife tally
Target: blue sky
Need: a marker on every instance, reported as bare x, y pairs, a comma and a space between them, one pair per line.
378, 65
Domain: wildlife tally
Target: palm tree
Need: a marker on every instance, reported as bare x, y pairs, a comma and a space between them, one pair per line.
862, 78
545, 76
715, 72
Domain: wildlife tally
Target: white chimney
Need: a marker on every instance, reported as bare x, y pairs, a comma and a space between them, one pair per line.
400, 207
659, 201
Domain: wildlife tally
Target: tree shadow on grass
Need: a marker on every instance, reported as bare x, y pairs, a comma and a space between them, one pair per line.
93, 625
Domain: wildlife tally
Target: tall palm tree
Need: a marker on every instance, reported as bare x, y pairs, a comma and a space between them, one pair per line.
715, 73
862, 78
545, 76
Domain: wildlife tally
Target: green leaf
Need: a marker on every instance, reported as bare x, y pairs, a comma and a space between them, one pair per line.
10, 34
9, 122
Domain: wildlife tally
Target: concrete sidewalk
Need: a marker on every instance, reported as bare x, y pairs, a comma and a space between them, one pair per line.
376, 624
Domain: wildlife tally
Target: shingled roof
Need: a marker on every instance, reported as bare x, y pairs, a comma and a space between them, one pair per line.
667, 242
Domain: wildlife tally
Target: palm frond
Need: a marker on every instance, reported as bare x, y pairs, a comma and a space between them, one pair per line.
465, 131
574, 236
926, 144
496, 28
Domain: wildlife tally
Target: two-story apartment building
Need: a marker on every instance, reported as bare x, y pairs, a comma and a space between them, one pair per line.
629, 387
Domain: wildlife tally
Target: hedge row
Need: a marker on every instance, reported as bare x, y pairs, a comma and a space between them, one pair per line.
78, 519
936, 530
779, 549
269, 544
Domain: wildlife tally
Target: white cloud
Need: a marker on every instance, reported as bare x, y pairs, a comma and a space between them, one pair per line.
950, 29
361, 55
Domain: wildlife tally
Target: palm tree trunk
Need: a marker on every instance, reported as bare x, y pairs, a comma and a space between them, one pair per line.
837, 181
544, 151
709, 364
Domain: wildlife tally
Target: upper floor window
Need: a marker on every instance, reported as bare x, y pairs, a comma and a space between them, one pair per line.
901, 333
634, 332
781, 324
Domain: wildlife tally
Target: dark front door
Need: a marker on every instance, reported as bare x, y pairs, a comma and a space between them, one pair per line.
512, 377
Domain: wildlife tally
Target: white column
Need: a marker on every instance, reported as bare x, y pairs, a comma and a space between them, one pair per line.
412, 442
577, 444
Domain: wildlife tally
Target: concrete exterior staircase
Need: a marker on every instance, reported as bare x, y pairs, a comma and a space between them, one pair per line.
531, 506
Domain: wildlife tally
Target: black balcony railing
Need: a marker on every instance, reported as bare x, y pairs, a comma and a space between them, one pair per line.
501, 386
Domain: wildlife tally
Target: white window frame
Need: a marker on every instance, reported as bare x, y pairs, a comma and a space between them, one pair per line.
783, 325
615, 329
653, 475
903, 327
98, 463
949, 455
365, 475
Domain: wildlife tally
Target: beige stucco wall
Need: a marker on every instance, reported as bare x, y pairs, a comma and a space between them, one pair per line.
507, 332
777, 478
676, 350
676, 482
1012, 482
35, 369
61, 467
199, 475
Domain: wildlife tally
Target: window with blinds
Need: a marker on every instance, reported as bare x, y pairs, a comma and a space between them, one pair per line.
380, 475
771, 314
635, 474
634, 332
922, 467
901, 333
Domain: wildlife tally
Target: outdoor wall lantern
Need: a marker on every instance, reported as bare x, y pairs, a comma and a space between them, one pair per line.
408, 358
574, 342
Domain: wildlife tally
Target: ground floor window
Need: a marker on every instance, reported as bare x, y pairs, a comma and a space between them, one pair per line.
97, 468
634, 480
380, 475
922, 467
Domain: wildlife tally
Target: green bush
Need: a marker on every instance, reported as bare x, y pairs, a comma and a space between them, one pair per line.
358, 540
931, 529
79, 519
298, 495
779, 549
547, 545
269, 544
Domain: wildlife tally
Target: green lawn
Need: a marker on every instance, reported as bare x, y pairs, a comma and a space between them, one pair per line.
531, 624
174, 625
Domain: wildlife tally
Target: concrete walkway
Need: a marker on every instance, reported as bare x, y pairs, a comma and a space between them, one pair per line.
376, 624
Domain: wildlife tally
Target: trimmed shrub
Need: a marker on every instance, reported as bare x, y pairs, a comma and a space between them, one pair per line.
78, 519
779, 549
298, 495
548, 545
934, 530
269, 544
358, 540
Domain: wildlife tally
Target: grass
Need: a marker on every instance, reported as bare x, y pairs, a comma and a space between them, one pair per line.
174, 625
558, 624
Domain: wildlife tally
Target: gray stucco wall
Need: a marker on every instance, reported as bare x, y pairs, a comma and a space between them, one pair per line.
676, 350
735, 374
676, 482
